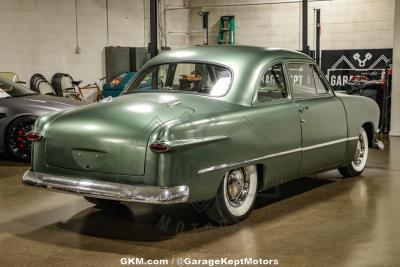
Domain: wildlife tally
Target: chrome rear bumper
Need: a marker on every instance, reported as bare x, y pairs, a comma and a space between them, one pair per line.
106, 190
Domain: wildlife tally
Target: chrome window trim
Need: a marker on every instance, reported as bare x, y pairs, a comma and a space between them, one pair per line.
300, 149
287, 99
146, 68
317, 69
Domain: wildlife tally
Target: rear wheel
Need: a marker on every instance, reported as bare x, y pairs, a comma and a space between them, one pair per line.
102, 203
357, 165
18, 146
236, 196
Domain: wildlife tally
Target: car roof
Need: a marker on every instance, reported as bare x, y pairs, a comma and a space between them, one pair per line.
226, 54
246, 63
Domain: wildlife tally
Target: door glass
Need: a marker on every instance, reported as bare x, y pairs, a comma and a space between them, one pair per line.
272, 84
302, 80
321, 87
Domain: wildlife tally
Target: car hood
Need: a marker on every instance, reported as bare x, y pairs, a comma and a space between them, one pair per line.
46, 102
112, 136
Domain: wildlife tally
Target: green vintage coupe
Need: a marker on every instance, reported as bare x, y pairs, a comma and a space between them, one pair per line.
206, 123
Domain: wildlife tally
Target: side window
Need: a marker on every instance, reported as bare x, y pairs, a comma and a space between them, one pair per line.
155, 79
321, 87
186, 76
302, 80
272, 84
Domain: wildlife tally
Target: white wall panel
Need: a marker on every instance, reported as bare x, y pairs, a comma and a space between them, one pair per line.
39, 35
346, 24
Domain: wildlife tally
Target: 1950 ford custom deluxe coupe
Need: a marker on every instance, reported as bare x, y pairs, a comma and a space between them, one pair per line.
206, 123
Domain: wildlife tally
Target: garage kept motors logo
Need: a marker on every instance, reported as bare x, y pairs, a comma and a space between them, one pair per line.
341, 65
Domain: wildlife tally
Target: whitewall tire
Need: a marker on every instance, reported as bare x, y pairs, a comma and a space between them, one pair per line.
236, 196
357, 165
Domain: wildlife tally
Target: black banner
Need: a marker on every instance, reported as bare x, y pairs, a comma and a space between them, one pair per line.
340, 66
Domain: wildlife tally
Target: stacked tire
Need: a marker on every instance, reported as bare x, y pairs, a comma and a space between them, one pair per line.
62, 83
39, 84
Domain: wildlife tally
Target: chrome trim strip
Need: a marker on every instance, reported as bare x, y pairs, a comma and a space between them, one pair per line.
107, 190
328, 143
223, 166
194, 141
301, 149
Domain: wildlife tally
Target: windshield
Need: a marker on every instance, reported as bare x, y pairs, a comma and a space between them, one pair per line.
12, 89
201, 78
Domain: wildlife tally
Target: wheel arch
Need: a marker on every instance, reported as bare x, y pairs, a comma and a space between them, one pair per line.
369, 129
261, 175
361, 112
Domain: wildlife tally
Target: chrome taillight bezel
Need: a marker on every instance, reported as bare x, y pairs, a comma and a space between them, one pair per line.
159, 147
33, 136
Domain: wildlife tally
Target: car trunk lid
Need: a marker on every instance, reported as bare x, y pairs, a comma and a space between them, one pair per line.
112, 137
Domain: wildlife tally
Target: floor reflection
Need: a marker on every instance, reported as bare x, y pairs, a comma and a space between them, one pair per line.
313, 221
140, 222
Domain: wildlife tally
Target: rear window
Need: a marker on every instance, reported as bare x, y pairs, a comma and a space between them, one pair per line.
200, 78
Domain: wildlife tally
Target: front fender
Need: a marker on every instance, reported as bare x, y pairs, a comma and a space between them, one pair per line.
360, 112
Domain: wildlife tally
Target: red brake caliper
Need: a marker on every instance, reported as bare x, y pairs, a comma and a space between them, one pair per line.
20, 138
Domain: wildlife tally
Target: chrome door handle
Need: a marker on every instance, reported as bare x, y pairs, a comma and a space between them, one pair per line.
303, 108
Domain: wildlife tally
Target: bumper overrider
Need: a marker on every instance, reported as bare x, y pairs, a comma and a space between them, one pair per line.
106, 190
377, 141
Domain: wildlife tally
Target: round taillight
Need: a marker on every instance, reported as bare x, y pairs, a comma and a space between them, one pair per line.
159, 147
33, 136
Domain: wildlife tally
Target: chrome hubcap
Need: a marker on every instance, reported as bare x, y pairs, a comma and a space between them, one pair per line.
238, 183
360, 151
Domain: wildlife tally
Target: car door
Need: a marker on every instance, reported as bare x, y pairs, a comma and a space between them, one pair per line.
322, 117
277, 118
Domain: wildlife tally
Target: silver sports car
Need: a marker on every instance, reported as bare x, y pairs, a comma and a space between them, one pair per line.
19, 108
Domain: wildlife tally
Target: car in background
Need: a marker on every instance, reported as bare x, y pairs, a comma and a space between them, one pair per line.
214, 125
12, 76
114, 87
19, 109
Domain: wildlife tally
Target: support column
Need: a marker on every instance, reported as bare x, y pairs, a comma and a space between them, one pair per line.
204, 15
318, 38
395, 111
153, 29
305, 27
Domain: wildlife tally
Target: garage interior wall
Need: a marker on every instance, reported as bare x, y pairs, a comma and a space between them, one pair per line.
40, 35
346, 24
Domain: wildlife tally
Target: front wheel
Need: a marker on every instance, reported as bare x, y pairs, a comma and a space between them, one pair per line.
236, 196
357, 165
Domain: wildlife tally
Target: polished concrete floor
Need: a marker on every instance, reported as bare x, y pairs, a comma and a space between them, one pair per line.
314, 221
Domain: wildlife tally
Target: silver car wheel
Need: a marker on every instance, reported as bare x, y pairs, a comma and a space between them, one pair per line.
240, 186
